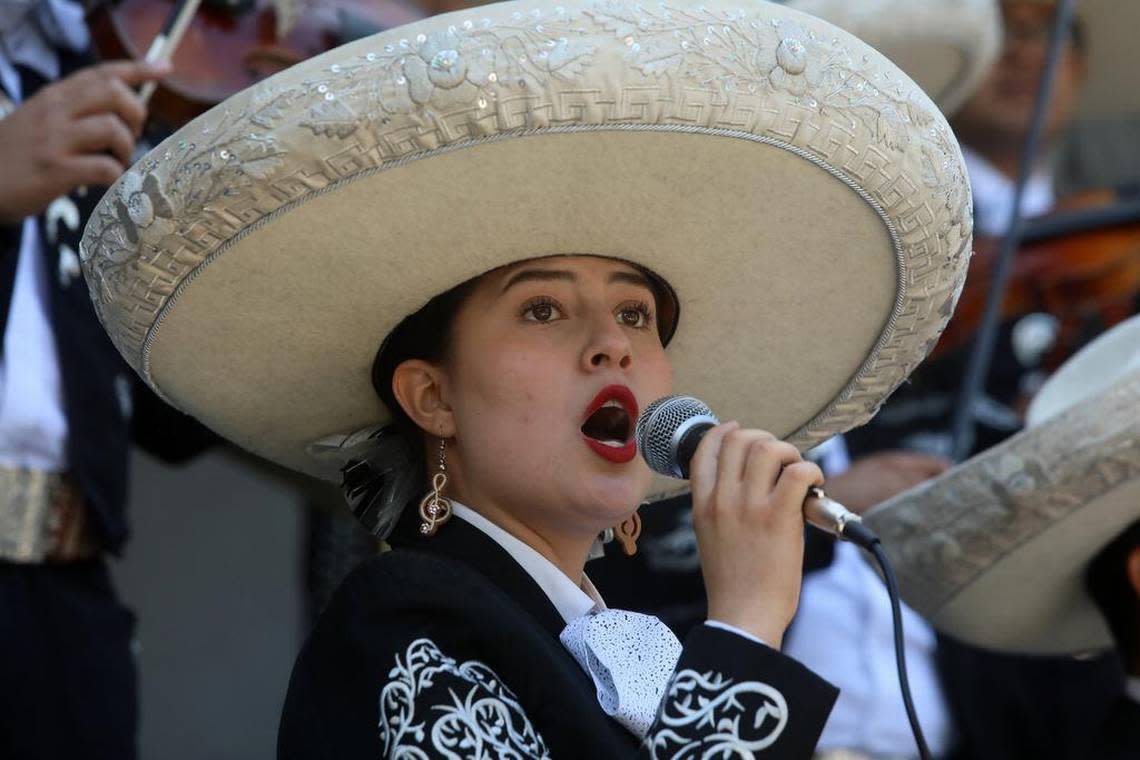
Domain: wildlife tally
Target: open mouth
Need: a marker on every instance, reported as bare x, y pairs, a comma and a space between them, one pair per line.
609, 424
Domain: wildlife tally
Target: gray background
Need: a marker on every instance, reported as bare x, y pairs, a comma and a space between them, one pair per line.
214, 573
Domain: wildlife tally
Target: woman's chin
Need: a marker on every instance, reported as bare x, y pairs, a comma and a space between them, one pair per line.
615, 495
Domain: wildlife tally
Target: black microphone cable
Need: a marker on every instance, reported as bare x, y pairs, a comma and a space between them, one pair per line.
862, 536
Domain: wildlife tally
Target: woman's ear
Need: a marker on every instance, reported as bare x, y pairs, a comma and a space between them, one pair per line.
419, 389
1132, 570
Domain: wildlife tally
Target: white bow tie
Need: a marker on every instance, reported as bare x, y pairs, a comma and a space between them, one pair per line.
630, 657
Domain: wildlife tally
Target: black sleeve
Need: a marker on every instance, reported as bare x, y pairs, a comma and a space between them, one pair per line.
429, 705
731, 697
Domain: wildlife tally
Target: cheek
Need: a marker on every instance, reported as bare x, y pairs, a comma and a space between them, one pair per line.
514, 390
657, 375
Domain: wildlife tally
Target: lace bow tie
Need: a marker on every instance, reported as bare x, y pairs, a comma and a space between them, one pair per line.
630, 657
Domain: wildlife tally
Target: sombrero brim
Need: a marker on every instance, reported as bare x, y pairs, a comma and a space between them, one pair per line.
994, 551
1098, 365
810, 210
946, 47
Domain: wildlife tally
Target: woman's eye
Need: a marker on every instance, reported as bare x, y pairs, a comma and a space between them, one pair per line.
542, 312
636, 316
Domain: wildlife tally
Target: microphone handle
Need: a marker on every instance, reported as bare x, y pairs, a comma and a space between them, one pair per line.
832, 517
687, 446
819, 510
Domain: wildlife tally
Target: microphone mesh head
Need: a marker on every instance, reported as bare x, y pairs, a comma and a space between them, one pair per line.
657, 429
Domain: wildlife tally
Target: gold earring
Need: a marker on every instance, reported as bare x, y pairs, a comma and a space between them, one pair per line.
435, 508
627, 533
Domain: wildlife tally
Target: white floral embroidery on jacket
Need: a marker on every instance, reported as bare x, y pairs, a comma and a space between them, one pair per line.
433, 706
707, 715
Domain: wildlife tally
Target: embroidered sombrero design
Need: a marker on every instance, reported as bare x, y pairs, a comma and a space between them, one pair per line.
946, 46
803, 197
994, 551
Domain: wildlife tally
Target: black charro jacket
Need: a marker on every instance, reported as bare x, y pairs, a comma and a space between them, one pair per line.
445, 647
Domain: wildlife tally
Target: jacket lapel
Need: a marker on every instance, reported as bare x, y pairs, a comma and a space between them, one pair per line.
460, 540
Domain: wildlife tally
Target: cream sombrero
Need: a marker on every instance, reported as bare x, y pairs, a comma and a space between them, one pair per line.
994, 551
806, 200
946, 46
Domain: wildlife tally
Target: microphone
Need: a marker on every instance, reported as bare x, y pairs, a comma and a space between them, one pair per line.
668, 433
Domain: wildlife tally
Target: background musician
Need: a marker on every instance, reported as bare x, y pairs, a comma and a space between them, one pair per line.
67, 402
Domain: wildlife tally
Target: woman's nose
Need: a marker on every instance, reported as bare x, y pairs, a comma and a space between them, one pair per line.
609, 347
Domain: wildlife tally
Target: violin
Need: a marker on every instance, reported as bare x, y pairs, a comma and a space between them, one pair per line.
231, 44
1080, 264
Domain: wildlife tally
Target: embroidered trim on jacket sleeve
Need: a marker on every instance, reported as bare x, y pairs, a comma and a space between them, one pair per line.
707, 715
433, 706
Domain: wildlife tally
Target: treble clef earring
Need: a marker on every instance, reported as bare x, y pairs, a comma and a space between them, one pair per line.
435, 508
628, 531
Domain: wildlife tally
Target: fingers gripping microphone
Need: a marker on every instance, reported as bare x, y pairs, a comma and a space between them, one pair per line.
671, 428
668, 433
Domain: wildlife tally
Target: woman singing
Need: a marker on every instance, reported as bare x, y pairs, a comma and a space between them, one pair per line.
522, 387
449, 264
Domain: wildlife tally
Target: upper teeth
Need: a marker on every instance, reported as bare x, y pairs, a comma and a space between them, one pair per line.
612, 402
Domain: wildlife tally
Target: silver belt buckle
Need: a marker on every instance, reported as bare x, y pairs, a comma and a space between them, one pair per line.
25, 503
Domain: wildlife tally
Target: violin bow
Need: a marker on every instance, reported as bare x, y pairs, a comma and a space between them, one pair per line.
978, 366
166, 41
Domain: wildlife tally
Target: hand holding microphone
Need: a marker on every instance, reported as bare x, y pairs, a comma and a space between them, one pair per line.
750, 495
669, 432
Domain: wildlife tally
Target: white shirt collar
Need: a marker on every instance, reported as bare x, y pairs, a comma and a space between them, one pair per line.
993, 194
571, 601
1132, 688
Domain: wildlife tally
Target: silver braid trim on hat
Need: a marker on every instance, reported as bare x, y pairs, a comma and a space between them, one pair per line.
380, 472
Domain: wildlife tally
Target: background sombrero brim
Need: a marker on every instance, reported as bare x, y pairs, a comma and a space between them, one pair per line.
994, 551
946, 46
806, 201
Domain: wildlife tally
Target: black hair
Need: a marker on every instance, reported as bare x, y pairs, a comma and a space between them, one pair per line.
1107, 582
387, 470
426, 335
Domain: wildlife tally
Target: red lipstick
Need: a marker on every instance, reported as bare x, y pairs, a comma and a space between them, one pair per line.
609, 448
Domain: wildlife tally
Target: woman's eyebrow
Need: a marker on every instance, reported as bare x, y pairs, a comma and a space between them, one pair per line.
538, 275
552, 275
632, 278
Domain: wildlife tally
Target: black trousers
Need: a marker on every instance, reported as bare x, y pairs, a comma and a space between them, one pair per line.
68, 685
